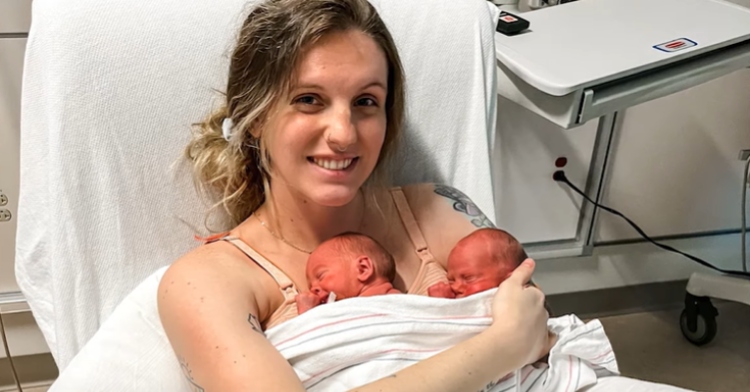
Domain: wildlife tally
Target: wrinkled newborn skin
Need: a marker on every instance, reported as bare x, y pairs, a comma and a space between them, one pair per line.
346, 272
480, 261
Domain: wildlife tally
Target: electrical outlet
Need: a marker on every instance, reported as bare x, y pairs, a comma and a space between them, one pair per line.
744, 154
3, 199
5, 215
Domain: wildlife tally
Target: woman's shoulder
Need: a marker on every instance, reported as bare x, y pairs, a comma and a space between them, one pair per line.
210, 268
444, 215
447, 201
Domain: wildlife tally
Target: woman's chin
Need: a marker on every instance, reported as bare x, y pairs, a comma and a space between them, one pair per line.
333, 196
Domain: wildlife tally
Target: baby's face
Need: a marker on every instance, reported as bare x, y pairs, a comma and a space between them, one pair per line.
471, 276
329, 272
472, 270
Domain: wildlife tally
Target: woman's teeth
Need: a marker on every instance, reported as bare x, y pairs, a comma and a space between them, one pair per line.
331, 164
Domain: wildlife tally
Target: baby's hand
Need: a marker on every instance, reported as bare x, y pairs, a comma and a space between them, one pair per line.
306, 301
441, 290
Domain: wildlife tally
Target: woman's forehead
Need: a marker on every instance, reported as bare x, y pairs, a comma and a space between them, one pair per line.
350, 57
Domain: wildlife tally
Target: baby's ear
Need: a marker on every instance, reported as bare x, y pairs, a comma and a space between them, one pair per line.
365, 269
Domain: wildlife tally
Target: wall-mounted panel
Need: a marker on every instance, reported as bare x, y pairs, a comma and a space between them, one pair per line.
11, 66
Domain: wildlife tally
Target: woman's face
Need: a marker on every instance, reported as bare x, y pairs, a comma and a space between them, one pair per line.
325, 138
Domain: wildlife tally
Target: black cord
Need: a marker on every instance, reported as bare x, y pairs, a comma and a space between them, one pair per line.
559, 176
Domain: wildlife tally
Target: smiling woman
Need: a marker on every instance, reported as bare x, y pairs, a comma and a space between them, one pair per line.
315, 97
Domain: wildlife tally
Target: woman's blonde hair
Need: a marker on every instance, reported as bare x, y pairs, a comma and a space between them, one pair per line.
271, 43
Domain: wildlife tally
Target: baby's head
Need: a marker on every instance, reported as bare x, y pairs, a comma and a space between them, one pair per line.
482, 260
346, 264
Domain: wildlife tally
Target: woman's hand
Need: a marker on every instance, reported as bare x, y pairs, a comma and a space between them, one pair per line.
518, 310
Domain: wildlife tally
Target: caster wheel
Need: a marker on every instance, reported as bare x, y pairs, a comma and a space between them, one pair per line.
698, 321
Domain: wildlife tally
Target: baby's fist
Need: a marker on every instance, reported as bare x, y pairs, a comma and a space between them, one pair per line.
306, 301
441, 290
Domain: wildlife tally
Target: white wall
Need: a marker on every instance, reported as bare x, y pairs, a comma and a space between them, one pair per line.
675, 166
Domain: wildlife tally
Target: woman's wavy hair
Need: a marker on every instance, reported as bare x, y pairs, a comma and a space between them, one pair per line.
232, 173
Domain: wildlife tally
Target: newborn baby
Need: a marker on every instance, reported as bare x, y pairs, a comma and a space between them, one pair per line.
480, 261
348, 265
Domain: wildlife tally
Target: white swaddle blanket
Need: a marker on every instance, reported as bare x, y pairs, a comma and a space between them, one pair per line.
349, 343
131, 352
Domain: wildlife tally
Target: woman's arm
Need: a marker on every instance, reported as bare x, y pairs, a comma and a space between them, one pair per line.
210, 314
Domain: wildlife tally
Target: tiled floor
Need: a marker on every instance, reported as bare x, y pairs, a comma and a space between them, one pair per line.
28, 389
650, 346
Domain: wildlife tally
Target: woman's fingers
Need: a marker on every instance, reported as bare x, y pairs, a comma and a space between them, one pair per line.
518, 308
522, 274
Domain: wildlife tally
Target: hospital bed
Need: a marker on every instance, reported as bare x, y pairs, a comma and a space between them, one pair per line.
110, 90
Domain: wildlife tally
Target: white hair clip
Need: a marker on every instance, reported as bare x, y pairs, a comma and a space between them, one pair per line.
226, 128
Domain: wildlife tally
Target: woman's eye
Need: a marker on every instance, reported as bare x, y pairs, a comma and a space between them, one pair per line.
306, 100
367, 101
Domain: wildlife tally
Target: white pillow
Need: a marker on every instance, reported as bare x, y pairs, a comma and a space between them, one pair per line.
130, 352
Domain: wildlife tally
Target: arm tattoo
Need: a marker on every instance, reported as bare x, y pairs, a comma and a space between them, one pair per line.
489, 386
189, 375
255, 324
463, 204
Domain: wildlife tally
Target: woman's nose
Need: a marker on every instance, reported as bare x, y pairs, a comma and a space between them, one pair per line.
341, 133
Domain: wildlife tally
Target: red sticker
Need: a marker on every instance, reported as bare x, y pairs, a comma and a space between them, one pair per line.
508, 19
675, 45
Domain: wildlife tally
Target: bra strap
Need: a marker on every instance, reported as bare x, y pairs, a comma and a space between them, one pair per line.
285, 284
411, 226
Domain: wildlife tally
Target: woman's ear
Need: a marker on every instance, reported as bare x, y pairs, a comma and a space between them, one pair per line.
255, 131
365, 269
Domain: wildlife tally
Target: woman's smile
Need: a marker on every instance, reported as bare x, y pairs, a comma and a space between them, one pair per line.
335, 168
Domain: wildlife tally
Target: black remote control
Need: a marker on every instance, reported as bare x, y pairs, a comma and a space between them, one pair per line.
510, 24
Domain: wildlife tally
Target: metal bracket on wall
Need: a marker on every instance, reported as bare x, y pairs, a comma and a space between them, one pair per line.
13, 302
583, 243
14, 35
